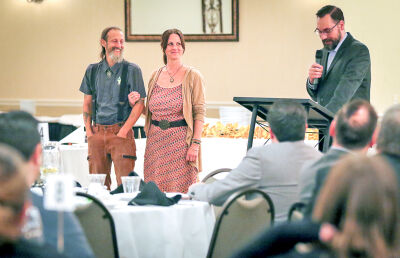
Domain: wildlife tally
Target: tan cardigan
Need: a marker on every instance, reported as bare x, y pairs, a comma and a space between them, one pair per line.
193, 103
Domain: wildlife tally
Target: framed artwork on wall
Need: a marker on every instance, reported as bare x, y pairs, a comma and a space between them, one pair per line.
199, 20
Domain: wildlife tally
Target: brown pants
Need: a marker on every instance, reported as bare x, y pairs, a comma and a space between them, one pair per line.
105, 147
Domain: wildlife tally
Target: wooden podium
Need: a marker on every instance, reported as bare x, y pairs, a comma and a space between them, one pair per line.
318, 116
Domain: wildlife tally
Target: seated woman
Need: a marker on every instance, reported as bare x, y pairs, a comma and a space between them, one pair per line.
358, 208
13, 204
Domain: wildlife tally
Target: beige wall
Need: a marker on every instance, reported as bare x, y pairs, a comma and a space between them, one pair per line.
47, 47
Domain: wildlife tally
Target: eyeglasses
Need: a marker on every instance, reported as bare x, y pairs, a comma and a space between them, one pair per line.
325, 31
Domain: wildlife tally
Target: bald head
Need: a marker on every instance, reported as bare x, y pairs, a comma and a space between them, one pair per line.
355, 124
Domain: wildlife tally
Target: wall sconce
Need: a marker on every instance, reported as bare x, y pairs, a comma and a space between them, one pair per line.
34, 1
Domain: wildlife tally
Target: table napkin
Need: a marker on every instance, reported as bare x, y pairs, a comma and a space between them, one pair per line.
151, 195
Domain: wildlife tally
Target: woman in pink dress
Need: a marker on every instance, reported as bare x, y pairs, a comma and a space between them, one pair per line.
175, 112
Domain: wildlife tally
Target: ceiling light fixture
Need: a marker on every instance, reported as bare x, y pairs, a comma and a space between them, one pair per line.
34, 1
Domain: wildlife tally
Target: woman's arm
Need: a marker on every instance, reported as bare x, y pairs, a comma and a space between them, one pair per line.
193, 151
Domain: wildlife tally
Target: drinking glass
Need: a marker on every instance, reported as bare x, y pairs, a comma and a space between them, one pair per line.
50, 159
96, 184
130, 184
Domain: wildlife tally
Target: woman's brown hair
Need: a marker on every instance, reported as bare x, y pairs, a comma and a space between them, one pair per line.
361, 198
164, 41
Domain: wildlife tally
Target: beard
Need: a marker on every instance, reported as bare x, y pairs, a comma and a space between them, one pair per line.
332, 43
116, 58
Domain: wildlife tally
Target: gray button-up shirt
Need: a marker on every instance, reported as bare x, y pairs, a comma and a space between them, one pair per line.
108, 81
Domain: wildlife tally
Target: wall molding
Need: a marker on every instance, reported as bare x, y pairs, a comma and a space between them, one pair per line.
79, 103
43, 102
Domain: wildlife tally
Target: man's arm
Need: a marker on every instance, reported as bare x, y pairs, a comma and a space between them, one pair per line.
135, 80
356, 70
133, 117
315, 72
312, 91
247, 174
87, 114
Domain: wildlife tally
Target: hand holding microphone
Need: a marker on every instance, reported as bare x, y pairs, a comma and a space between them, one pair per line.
316, 69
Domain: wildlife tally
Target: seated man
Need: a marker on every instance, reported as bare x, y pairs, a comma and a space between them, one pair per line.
18, 129
13, 204
352, 131
271, 168
389, 138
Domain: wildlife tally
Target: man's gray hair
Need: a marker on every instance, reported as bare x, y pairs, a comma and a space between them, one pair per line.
389, 134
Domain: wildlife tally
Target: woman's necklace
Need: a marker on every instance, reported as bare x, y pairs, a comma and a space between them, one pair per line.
171, 77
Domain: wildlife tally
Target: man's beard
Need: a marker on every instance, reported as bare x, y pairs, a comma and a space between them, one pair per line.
334, 44
116, 58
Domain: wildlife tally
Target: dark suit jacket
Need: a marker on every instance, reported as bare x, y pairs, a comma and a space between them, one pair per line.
323, 167
25, 249
394, 162
280, 239
348, 77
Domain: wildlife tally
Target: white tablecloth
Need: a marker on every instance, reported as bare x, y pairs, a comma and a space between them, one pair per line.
183, 230
74, 162
216, 153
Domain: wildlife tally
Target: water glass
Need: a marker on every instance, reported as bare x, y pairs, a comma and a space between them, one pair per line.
97, 178
130, 184
51, 161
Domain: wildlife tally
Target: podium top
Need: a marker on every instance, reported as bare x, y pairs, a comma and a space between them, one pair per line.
316, 112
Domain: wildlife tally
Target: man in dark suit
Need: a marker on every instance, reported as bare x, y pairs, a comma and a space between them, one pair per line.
352, 131
389, 138
345, 70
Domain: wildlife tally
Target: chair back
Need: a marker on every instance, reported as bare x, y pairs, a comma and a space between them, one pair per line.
244, 215
213, 176
296, 211
99, 227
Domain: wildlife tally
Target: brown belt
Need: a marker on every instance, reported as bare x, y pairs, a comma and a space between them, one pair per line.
108, 127
165, 124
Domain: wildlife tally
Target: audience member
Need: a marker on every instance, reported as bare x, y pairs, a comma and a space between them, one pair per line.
352, 131
13, 204
389, 138
356, 215
19, 130
272, 168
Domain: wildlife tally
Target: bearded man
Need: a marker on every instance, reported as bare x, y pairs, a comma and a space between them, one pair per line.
344, 72
107, 115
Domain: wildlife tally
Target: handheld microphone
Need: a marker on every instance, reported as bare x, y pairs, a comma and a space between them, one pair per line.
318, 59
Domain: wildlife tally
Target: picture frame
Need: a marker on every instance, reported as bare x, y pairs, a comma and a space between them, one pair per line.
206, 20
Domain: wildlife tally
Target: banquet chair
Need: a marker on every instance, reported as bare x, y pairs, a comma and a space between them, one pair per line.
210, 178
98, 225
244, 215
296, 211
